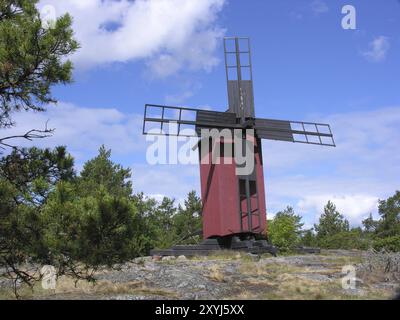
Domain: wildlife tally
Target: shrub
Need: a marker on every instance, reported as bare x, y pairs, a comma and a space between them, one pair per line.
285, 230
345, 240
389, 244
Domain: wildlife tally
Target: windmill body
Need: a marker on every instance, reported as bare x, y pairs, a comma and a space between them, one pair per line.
234, 207
224, 192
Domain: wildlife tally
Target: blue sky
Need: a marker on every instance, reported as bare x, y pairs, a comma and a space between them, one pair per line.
306, 67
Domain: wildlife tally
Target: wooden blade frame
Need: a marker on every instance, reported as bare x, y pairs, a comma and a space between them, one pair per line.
281, 130
184, 118
295, 131
239, 77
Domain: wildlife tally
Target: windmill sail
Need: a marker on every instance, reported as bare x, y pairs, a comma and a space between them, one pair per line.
295, 131
274, 130
174, 121
239, 77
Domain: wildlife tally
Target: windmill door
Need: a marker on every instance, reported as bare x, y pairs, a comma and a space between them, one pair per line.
249, 205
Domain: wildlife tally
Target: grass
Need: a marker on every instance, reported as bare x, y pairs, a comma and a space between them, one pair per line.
216, 274
229, 255
221, 255
271, 269
66, 288
277, 281
288, 286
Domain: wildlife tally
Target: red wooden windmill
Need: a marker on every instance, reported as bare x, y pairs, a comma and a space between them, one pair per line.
234, 210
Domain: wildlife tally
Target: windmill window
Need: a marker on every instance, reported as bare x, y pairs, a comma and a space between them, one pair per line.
253, 188
242, 188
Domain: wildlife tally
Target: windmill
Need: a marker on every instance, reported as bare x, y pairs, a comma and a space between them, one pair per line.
234, 209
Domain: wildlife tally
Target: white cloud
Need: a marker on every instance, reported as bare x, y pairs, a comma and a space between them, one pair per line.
354, 207
378, 49
174, 181
179, 98
188, 89
168, 34
319, 7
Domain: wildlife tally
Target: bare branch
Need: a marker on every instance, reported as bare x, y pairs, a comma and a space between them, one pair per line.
30, 136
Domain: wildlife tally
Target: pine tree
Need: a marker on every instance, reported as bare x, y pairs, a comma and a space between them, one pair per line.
101, 171
187, 221
28, 178
331, 222
370, 225
32, 60
389, 211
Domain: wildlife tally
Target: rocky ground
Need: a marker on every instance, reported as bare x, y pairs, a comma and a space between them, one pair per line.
234, 276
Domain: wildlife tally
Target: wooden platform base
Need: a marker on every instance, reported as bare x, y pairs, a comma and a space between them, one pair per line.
210, 246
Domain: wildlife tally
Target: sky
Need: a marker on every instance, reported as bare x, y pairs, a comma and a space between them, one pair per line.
306, 67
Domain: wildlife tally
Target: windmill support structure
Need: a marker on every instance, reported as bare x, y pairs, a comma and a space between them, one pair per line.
234, 207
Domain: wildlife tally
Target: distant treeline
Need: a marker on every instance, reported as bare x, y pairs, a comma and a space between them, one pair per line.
333, 230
